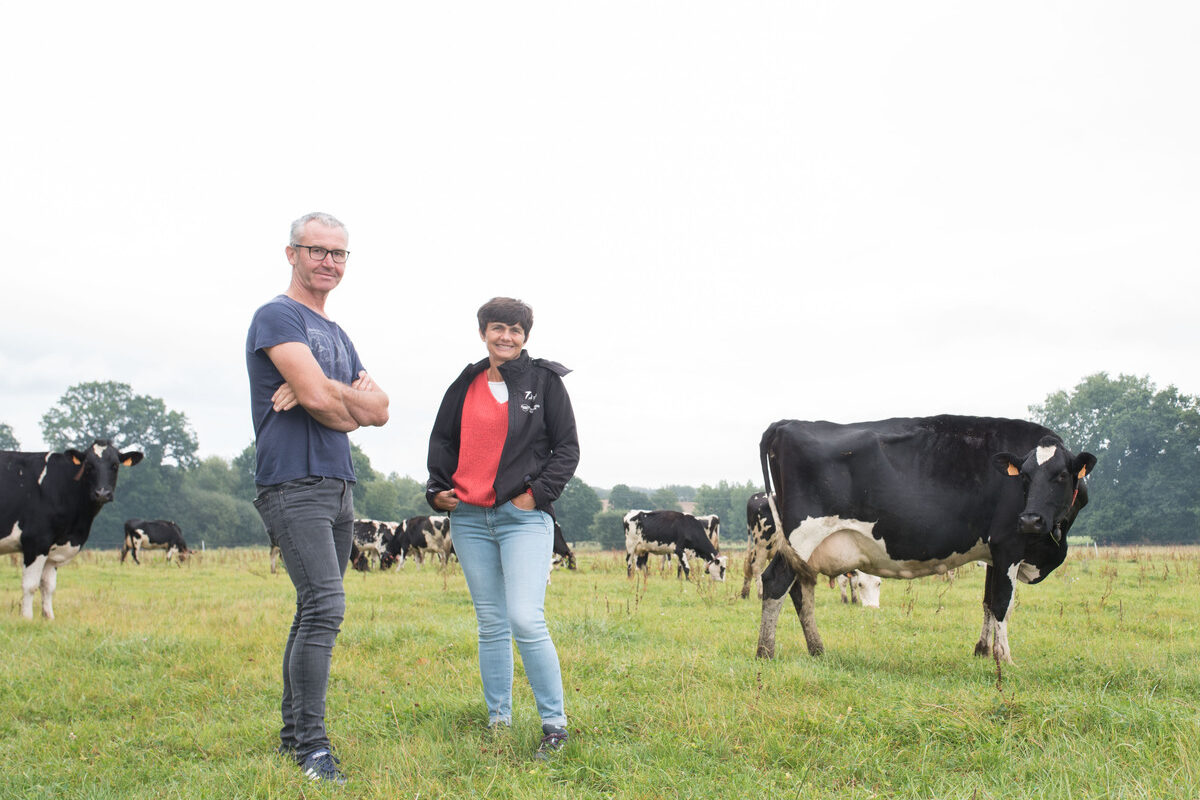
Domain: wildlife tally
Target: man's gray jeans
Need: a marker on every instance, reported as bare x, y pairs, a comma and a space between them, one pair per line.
312, 522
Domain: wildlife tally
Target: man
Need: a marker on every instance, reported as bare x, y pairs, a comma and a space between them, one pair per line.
307, 390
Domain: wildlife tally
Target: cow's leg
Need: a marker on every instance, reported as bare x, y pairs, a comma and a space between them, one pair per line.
804, 596
170, 552
683, 570
984, 646
1002, 593
48, 582
134, 552
777, 579
749, 573
766, 631
29, 584
124, 551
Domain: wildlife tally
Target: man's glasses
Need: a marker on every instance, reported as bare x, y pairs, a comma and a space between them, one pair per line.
319, 253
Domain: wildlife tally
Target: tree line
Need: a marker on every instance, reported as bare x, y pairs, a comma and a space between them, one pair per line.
1144, 490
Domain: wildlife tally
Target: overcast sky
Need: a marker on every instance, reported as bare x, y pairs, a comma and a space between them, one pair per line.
723, 214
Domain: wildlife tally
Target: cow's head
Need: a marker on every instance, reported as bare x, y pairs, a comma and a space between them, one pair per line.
1051, 479
98, 466
867, 588
716, 568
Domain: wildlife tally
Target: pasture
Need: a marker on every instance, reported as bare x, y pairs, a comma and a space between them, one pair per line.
161, 682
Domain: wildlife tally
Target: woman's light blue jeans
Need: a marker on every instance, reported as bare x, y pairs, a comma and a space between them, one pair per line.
505, 554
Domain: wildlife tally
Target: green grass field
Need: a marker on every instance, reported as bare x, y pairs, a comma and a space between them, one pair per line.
157, 682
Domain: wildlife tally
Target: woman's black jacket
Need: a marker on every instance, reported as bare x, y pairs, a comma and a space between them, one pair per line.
541, 450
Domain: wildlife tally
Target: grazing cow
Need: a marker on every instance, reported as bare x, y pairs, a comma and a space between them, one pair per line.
905, 498
712, 528
760, 527
47, 504
659, 532
858, 587
562, 550
371, 538
153, 534
421, 535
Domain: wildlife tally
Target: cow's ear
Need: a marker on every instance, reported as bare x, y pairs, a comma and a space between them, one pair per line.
1083, 465
131, 458
75, 456
1006, 464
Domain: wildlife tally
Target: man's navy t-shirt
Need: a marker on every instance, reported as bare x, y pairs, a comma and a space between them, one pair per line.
291, 444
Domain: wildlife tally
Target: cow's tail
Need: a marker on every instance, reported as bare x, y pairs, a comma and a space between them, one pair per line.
779, 542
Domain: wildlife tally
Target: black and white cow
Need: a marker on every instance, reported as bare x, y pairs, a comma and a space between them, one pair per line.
371, 538
419, 536
153, 534
660, 532
858, 587
712, 528
47, 504
760, 527
562, 551
905, 498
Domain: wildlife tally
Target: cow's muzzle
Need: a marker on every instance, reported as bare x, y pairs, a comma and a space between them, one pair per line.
1031, 523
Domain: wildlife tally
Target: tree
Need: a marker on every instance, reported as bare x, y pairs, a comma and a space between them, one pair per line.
728, 501
622, 499
685, 493
244, 466
1144, 486
665, 500
392, 499
576, 508
609, 530
110, 410
7, 440
363, 472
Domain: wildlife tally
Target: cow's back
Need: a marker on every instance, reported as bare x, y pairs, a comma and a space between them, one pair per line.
923, 486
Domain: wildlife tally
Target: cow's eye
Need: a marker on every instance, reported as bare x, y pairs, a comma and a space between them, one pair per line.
1061, 477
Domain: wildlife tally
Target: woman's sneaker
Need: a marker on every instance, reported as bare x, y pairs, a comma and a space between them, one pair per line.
554, 739
323, 766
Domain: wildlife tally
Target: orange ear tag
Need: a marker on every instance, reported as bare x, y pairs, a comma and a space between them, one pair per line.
1082, 473
1012, 470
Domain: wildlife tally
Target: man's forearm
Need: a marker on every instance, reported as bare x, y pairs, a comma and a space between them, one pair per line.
368, 408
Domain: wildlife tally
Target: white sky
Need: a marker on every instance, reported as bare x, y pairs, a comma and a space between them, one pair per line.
723, 214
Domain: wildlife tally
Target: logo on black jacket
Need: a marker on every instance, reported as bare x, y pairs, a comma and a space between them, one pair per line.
530, 405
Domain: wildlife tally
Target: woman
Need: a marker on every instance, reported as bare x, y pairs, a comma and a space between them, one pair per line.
502, 449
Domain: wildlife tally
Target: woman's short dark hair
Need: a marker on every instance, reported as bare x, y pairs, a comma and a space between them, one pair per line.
506, 310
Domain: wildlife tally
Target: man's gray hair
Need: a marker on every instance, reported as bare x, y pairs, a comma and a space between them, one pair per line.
328, 220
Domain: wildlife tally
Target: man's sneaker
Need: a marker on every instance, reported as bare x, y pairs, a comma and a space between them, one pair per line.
322, 766
554, 739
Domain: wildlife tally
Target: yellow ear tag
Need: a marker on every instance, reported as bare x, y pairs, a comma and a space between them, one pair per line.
1012, 470
1082, 473
127, 462
76, 460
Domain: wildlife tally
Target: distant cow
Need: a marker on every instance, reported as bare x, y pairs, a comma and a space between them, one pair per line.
562, 550
760, 527
905, 498
153, 534
858, 587
660, 532
712, 528
371, 538
419, 536
47, 504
